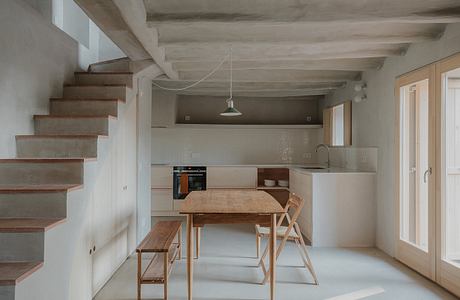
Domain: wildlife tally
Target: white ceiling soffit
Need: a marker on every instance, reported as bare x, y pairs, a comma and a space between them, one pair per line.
289, 47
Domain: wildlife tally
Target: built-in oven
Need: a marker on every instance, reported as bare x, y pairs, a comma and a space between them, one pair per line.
188, 179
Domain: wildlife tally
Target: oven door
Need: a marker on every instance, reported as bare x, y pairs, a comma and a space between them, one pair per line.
188, 179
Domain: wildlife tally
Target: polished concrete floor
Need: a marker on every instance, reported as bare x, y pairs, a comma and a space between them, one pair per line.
228, 269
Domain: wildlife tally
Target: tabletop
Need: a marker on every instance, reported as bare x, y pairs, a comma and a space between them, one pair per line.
230, 202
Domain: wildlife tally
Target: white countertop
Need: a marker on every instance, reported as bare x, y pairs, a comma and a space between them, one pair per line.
302, 168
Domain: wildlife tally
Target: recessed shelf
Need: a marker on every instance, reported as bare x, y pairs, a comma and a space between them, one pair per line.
273, 188
252, 126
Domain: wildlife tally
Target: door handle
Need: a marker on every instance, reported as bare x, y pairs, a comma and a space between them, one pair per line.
427, 172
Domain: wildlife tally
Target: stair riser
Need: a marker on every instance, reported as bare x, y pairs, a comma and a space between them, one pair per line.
97, 126
96, 92
56, 147
22, 246
25, 173
102, 79
84, 108
33, 205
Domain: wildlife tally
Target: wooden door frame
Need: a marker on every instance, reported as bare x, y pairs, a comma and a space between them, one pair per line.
445, 65
417, 259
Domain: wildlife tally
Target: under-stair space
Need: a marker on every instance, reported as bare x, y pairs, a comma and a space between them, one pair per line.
34, 187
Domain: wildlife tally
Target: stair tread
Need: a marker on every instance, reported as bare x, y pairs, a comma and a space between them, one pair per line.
28, 224
86, 99
60, 136
95, 85
104, 73
72, 117
39, 188
41, 160
11, 273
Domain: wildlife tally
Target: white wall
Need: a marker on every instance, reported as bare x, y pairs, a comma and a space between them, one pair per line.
94, 46
373, 120
36, 59
233, 146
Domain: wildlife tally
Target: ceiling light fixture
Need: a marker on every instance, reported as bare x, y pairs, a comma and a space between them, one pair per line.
231, 111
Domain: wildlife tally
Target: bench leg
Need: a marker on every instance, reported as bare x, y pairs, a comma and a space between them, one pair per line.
139, 272
166, 273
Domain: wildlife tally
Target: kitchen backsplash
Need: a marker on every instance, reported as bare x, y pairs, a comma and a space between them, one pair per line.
234, 145
354, 158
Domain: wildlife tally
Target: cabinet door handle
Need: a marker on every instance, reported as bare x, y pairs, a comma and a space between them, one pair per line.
427, 172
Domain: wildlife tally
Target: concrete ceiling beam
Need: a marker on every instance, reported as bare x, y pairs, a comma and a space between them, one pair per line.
348, 64
259, 93
224, 85
285, 52
292, 33
275, 75
410, 11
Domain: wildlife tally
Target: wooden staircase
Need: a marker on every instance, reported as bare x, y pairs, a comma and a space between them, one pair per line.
50, 164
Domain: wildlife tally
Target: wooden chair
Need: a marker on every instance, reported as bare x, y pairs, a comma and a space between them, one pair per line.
285, 233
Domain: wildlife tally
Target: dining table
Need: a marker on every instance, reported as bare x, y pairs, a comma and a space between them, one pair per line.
231, 207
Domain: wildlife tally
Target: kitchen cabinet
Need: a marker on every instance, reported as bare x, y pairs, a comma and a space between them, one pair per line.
339, 209
162, 200
162, 189
232, 177
162, 177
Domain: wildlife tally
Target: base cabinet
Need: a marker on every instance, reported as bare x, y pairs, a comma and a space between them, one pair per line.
339, 209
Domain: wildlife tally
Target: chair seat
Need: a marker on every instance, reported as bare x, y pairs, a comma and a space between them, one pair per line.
280, 231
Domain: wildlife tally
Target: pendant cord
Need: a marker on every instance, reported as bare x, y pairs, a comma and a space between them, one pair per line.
231, 74
199, 81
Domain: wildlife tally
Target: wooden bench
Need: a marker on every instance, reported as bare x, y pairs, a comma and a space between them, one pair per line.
164, 240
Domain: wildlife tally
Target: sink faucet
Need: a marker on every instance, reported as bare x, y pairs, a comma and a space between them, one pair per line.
327, 148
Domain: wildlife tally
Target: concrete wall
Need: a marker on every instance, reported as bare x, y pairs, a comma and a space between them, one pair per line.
257, 110
36, 59
373, 120
214, 145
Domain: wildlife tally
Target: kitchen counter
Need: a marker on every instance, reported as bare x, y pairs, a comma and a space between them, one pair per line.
302, 168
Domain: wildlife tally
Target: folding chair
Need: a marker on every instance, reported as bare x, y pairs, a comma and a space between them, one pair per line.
285, 233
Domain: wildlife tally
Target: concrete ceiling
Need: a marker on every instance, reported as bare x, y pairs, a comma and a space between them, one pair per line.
282, 48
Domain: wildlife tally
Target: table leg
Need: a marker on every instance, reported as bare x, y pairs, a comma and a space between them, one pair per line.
189, 255
165, 274
272, 256
197, 241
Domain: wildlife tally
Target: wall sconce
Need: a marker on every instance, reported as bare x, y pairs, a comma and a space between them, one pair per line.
360, 98
360, 87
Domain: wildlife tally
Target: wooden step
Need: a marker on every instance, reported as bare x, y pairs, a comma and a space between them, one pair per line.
35, 201
42, 188
122, 92
104, 78
62, 146
84, 107
21, 225
12, 273
72, 125
41, 171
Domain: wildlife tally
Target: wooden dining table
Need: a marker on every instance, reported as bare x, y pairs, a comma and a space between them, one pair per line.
230, 207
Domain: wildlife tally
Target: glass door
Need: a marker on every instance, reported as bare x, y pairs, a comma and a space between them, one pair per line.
415, 184
448, 161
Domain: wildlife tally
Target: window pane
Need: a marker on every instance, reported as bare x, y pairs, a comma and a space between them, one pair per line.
414, 163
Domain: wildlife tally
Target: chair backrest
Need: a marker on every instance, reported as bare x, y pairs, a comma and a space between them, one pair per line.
293, 205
